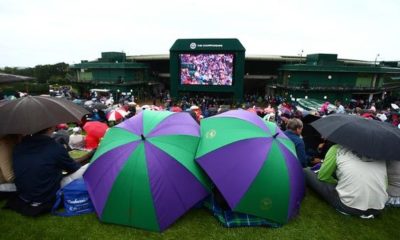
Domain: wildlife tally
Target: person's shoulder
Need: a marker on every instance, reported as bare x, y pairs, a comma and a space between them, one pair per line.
288, 133
51, 144
292, 136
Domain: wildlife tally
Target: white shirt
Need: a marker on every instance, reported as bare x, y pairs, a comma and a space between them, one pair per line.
340, 109
77, 141
361, 181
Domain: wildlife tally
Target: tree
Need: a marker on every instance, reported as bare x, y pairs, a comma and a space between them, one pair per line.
56, 73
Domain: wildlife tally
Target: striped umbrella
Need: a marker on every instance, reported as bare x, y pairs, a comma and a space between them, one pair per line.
253, 164
144, 174
116, 115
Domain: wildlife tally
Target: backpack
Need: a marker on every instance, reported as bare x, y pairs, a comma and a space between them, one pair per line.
76, 199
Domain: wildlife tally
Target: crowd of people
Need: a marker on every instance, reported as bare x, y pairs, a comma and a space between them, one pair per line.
36, 164
351, 183
207, 69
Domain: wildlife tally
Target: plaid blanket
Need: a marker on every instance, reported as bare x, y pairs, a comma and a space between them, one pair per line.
234, 219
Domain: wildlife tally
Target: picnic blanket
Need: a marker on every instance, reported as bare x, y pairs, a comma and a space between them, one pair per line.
230, 219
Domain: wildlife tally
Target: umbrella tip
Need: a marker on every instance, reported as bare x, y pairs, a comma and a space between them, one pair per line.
143, 138
276, 134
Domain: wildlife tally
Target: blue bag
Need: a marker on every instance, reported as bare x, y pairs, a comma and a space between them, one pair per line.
76, 199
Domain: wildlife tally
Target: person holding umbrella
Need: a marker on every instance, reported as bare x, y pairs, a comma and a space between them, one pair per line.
370, 138
39, 162
352, 184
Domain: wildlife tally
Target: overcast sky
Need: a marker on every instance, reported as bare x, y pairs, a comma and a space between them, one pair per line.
50, 31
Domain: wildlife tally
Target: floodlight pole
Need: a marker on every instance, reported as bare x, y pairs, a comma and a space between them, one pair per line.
376, 59
301, 55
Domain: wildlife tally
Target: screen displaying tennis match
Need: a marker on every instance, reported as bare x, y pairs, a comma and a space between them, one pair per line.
214, 69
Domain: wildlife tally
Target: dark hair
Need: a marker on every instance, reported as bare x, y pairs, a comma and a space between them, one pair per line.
194, 116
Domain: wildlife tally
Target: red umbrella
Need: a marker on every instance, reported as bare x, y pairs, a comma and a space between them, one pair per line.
95, 129
253, 110
176, 109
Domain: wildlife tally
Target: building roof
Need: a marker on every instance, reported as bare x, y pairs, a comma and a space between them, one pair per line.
153, 57
107, 65
249, 57
10, 78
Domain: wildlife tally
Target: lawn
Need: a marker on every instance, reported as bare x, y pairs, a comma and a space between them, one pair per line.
316, 221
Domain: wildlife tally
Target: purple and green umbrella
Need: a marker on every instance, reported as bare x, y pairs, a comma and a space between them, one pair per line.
253, 164
143, 174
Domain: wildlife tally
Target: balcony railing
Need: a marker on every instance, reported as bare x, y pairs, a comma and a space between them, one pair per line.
328, 88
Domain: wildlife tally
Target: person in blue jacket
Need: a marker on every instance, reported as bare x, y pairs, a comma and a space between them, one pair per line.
293, 131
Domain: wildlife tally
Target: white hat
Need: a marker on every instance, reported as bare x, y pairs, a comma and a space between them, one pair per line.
76, 129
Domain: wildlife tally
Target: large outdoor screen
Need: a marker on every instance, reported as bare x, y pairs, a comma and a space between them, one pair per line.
206, 69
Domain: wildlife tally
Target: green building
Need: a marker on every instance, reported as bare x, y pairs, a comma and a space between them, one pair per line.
112, 71
320, 76
323, 76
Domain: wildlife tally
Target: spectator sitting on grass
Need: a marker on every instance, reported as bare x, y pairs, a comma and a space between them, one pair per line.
353, 185
39, 163
294, 128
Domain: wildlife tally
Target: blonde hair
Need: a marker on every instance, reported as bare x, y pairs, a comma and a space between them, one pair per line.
294, 124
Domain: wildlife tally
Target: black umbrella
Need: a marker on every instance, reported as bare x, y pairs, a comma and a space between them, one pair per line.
31, 114
99, 106
88, 108
371, 138
11, 78
3, 101
309, 118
